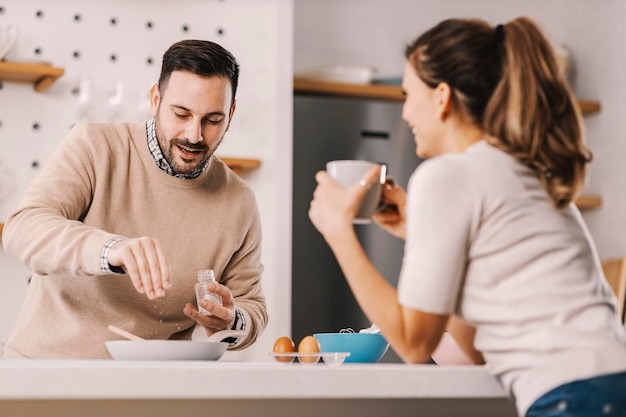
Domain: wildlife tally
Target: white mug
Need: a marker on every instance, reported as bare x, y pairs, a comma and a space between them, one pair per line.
8, 37
350, 172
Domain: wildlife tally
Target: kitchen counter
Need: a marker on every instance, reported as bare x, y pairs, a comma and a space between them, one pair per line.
188, 389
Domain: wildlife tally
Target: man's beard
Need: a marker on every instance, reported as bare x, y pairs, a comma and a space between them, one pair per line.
169, 155
169, 152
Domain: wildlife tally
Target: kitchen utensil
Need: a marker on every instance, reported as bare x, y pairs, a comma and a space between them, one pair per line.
8, 37
372, 329
210, 349
363, 347
124, 333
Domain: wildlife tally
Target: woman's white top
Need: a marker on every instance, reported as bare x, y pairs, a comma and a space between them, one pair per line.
484, 242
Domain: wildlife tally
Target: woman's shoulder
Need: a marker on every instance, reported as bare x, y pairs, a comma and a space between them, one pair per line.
461, 173
448, 164
477, 161
442, 176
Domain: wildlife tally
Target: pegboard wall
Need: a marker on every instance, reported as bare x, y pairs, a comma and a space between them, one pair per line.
111, 52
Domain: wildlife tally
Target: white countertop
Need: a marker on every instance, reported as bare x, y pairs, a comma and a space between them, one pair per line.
258, 389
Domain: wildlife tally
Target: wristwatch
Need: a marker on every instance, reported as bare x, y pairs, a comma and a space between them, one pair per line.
238, 324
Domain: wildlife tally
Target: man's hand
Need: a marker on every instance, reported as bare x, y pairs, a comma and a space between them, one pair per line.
223, 316
144, 261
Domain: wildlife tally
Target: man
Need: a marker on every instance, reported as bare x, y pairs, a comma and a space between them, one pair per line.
123, 216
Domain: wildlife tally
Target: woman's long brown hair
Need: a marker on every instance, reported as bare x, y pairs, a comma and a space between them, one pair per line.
508, 81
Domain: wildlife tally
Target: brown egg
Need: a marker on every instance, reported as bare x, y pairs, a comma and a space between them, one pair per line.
309, 345
284, 344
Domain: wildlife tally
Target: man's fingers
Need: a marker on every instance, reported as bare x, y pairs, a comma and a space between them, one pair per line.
145, 262
164, 266
152, 271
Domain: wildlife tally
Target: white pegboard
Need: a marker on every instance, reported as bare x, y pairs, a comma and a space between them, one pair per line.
111, 52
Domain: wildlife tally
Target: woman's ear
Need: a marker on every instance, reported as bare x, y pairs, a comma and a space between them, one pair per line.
443, 100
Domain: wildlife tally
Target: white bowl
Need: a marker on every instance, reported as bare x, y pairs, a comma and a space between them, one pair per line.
163, 350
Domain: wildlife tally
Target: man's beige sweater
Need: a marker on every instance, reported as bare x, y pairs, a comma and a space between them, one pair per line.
100, 183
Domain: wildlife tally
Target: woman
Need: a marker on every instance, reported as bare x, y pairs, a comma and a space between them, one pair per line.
492, 236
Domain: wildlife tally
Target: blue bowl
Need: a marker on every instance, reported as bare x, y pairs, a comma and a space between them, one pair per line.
363, 347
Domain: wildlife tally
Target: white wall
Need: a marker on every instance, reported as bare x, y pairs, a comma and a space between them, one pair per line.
327, 32
258, 32
374, 33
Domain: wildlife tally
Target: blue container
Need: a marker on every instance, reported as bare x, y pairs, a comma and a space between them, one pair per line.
363, 347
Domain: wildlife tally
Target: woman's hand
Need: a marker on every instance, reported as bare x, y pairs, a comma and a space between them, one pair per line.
392, 216
335, 206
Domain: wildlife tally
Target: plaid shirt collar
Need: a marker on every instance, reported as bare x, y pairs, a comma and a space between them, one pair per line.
157, 154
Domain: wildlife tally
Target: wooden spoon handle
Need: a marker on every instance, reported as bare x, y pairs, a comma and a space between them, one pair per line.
124, 333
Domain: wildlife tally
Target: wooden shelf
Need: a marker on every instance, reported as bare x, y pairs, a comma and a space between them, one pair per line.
239, 165
41, 75
588, 106
381, 91
586, 202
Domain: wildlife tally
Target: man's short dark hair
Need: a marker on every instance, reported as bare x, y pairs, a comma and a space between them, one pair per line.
204, 58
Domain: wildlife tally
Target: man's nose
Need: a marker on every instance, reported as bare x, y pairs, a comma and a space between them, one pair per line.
193, 131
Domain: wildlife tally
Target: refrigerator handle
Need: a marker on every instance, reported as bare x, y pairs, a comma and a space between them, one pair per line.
375, 134
383, 173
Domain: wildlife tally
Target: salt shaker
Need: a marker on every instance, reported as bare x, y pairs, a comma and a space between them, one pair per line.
205, 276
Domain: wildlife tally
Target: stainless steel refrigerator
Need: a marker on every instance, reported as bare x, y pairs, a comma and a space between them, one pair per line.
328, 128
